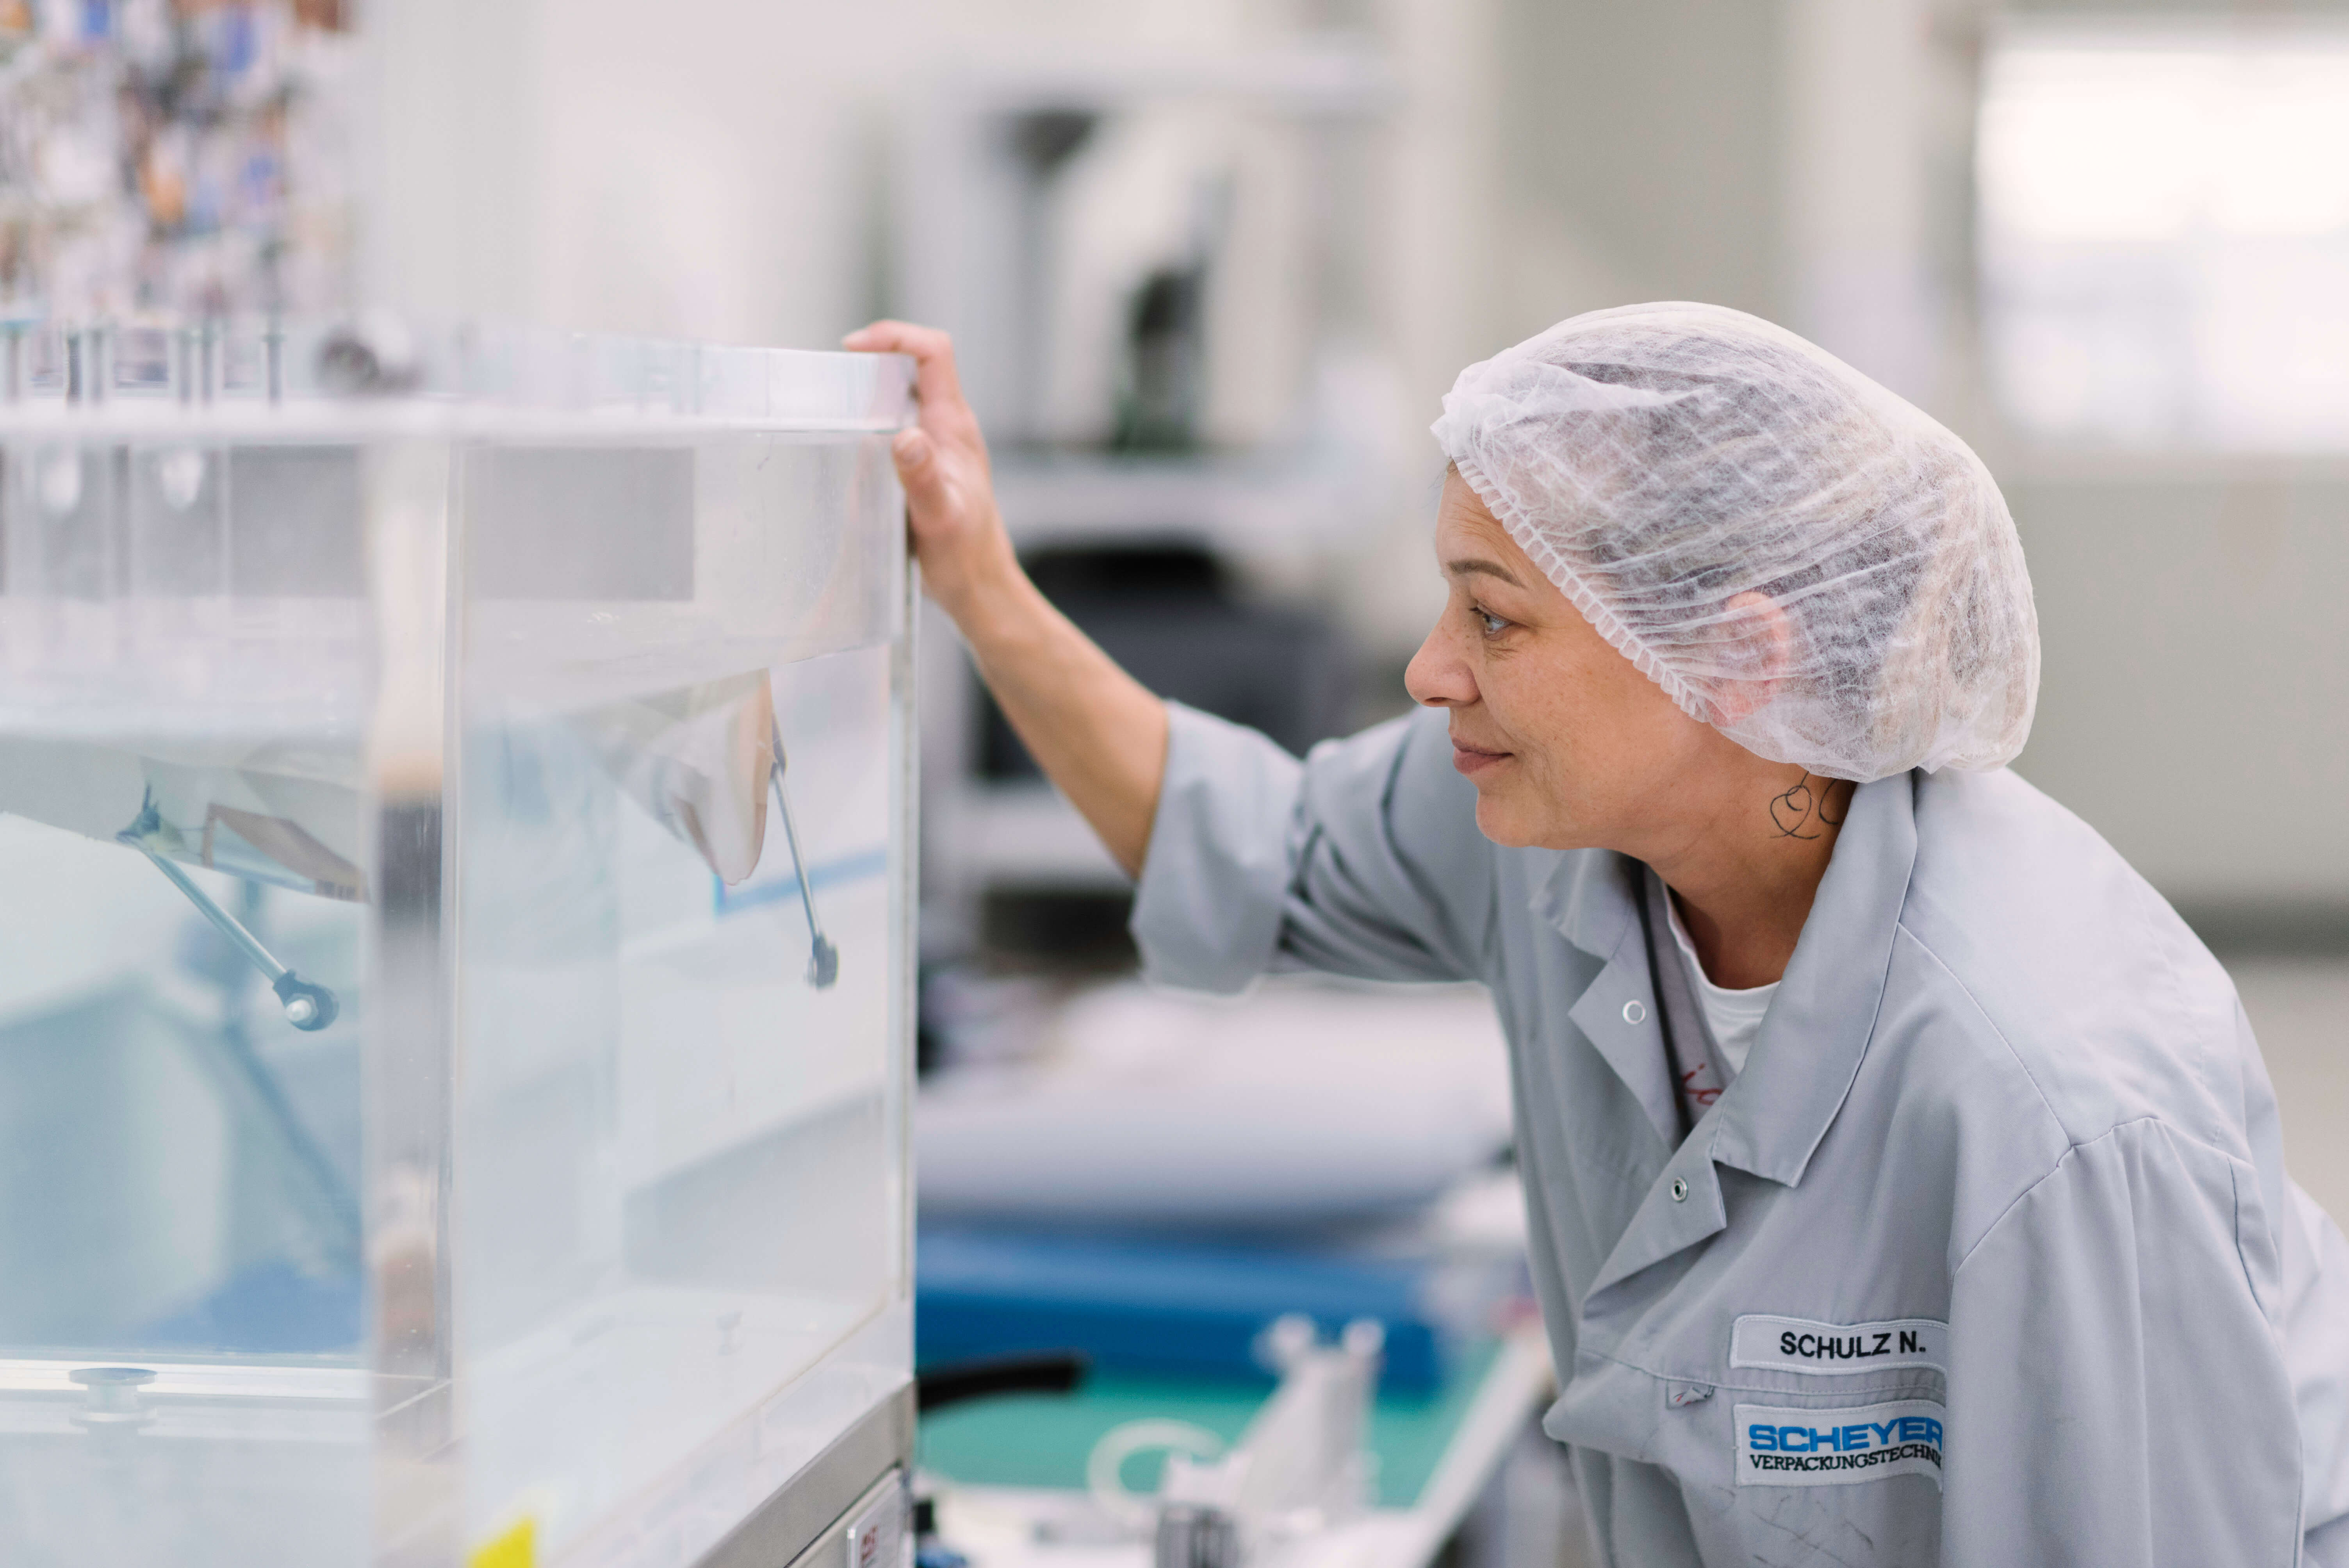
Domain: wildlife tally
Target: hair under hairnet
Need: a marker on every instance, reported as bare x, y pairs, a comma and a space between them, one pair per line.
1657, 461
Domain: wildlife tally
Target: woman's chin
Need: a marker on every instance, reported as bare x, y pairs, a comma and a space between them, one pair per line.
1498, 821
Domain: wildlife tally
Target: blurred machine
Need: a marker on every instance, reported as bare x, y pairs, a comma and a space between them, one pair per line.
1157, 272
1170, 614
455, 966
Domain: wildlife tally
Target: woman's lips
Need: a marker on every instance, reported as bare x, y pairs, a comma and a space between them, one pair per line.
1474, 759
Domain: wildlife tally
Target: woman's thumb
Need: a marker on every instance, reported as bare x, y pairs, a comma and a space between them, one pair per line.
919, 472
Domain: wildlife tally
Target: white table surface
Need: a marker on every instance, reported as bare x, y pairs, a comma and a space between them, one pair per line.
1028, 1527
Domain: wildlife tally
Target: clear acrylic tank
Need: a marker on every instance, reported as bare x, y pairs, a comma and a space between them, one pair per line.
455, 963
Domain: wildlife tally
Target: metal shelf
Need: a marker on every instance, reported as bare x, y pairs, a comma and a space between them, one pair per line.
1025, 834
1236, 501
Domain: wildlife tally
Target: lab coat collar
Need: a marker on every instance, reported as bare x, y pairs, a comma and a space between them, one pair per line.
1683, 1207
1634, 1050
1808, 1051
1812, 1039
1588, 897
1592, 899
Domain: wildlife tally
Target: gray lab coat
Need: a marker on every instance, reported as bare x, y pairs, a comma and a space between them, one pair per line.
1987, 1257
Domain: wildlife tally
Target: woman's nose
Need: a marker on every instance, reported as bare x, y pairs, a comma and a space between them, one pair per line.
1437, 677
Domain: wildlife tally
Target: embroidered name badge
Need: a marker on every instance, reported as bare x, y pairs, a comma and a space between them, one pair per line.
1829, 1448
1797, 1345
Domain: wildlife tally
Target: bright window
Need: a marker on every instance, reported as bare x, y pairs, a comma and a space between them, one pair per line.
2165, 234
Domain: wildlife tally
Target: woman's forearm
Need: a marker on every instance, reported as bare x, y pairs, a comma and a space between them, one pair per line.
1096, 731
1093, 729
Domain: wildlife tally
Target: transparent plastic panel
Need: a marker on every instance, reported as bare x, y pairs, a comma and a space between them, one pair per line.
596, 567
454, 939
394, 376
675, 1125
678, 971
183, 1379
183, 1364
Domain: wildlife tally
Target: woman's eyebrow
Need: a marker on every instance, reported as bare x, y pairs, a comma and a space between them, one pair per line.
1487, 568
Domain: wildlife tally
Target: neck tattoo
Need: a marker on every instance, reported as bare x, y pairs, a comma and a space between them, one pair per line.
1803, 813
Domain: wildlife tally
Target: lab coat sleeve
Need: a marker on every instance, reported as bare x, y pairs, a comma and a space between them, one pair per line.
2313, 1265
1363, 859
2317, 1337
2117, 1387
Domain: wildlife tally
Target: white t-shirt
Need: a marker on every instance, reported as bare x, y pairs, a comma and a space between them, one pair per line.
1732, 1018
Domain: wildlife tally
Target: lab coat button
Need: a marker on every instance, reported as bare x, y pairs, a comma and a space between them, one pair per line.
1635, 1012
1679, 1188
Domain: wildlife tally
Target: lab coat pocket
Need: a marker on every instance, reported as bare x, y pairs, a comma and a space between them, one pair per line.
1625, 1410
1782, 1472
1851, 1475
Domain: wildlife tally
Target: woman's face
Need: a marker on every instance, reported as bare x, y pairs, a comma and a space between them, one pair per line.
1569, 745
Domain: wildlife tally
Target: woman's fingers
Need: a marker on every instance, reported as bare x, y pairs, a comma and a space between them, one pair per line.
932, 350
942, 464
929, 494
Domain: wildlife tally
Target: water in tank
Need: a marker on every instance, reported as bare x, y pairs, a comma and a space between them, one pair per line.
454, 960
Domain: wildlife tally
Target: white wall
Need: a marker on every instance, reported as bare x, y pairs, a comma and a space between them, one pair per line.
702, 168
2194, 701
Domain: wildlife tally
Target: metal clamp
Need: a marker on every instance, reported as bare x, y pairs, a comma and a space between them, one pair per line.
824, 958
308, 1006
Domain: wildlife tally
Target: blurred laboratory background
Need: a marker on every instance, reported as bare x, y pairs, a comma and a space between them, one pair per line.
1210, 266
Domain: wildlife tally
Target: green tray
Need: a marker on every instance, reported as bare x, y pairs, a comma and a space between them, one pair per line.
1042, 1440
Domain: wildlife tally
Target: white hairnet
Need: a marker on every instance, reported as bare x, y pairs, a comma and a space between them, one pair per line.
1658, 461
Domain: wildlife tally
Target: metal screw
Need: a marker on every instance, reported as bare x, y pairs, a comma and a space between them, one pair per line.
1193, 1535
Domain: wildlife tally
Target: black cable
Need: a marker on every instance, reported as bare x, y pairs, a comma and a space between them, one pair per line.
1053, 1372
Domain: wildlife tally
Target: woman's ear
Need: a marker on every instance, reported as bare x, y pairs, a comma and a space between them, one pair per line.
1761, 647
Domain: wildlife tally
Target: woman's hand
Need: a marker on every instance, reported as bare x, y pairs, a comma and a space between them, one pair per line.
958, 534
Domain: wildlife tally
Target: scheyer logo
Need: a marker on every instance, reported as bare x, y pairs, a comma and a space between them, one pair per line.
1799, 1345
1830, 1446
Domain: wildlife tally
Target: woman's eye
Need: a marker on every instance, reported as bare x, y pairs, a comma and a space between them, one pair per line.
1494, 626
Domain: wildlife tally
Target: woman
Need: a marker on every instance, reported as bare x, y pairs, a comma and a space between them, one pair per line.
1905, 1185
